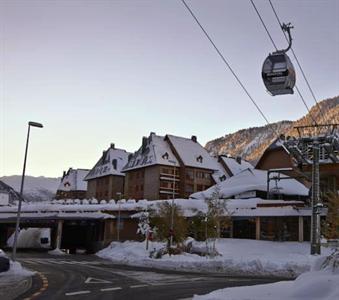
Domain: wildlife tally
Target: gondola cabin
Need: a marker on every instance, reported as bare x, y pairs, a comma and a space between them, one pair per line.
278, 74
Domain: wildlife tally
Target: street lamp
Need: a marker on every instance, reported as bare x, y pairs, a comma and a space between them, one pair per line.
33, 124
172, 208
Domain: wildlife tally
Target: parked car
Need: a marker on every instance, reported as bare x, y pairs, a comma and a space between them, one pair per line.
4, 262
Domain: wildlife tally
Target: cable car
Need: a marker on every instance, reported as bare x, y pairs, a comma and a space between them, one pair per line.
278, 72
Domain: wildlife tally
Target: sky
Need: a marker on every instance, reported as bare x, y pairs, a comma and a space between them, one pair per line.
101, 72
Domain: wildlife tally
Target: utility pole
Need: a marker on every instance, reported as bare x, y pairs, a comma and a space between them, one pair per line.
315, 220
298, 148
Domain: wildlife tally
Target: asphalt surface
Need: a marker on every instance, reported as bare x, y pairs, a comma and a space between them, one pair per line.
89, 277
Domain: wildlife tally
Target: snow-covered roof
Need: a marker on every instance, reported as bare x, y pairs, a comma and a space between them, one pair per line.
110, 163
73, 180
235, 165
190, 207
192, 153
153, 151
252, 180
56, 216
12, 194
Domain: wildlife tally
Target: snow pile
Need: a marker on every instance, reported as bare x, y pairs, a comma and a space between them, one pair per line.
238, 257
57, 251
32, 238
15, 269
320, 283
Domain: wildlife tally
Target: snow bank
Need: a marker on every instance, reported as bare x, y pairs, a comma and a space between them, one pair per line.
15, 269
320, 283
238, 257
32, 238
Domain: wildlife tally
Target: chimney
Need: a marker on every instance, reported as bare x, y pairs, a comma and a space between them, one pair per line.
144, 143
103, 155
64, 174
112, 146
238, 159
194, 138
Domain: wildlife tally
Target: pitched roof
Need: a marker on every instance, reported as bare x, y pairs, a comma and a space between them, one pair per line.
13, 195
110, 163
192, 153
252, 180
235, 165
153, 151
73, 180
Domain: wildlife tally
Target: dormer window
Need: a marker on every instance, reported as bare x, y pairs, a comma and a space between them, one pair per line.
222, 178
67, 184
165, 155
199, 159
114, 163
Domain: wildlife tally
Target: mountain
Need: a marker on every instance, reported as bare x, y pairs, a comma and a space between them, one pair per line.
251, 143
35, 188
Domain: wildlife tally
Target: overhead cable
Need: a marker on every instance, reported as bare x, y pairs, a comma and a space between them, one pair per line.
229, 67
269, 35
301, 69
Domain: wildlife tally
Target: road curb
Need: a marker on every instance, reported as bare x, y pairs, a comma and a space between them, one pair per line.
14, 289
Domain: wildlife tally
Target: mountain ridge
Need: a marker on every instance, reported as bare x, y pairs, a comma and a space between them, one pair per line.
251, 142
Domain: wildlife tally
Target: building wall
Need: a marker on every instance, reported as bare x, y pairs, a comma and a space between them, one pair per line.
91, 188
157, 182
151, 183
134, 183
274, 159
105, 188
194, 180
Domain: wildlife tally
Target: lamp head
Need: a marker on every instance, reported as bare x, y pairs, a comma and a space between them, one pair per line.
35, 124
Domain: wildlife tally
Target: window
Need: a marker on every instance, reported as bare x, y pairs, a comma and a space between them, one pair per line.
189, 175
114, 163
199, 159
165, 155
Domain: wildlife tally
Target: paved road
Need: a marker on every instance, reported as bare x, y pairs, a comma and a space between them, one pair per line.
89, 277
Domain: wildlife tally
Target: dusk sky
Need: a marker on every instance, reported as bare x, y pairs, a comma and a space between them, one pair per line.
101, 72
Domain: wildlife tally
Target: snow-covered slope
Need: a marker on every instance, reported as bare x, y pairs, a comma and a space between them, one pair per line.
35, 188
251, 143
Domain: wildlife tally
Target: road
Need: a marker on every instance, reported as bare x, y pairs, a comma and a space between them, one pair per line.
89, 277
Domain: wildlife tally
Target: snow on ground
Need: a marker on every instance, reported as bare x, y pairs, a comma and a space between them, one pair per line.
239, 257
15, 269
32, 238
320, 283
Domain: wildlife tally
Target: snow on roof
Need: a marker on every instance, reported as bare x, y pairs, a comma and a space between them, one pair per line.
190, 207
192, 153
236, 165
252, 180
110, 163
57, 215
153, 151
73, 180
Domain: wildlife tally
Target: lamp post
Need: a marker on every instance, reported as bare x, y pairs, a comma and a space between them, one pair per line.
118, 223
33, 124
172, 206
